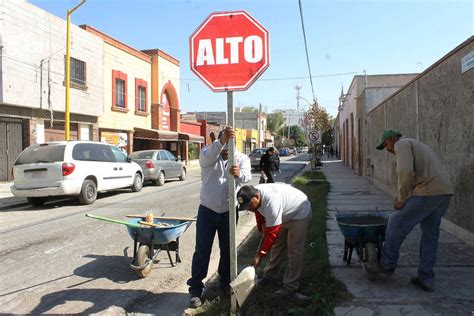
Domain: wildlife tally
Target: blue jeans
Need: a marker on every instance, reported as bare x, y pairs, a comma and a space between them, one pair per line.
427, 211
208, 222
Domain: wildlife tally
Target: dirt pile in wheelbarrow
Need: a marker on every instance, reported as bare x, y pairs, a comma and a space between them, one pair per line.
364, 220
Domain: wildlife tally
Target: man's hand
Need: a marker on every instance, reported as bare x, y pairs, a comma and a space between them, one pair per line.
256, 260
235, 171
229, 132
398, 205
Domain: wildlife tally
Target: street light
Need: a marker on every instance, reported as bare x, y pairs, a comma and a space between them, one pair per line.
68, 68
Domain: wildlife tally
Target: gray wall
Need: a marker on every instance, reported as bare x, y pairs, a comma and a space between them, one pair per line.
436, 108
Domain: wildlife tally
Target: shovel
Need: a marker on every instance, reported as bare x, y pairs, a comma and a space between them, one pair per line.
245, 282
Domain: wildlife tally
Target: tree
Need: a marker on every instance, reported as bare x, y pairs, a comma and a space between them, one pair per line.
249, 109
275, 121
298, 136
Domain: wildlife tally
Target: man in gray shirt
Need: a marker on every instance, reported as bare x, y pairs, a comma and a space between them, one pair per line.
213, 213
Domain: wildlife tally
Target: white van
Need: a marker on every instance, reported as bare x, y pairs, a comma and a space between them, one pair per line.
73, 168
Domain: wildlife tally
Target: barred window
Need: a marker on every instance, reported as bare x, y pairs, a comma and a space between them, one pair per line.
141, 99
78, 72
120, 93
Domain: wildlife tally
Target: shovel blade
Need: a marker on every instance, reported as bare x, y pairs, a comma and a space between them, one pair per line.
243, 284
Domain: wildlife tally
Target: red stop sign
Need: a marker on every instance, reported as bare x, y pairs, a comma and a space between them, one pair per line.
229, 51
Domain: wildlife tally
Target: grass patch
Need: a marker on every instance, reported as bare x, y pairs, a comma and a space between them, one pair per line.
316, 282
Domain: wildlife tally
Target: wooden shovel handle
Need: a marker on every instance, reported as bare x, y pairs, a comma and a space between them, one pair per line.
193, 219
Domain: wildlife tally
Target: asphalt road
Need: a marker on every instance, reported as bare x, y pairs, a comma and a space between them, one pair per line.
56, 260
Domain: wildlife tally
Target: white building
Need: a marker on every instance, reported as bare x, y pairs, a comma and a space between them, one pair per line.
32, 80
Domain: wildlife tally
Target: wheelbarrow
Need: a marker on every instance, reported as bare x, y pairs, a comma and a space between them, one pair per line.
364, 231
150, 240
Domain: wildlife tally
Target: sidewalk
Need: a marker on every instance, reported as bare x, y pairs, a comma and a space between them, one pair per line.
7, 200
454, 281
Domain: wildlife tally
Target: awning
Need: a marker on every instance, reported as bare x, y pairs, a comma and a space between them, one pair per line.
191, 137
155, 134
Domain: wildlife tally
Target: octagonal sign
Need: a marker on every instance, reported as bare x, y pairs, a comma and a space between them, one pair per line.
229, 51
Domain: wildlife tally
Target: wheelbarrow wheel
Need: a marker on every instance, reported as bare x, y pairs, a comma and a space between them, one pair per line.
143, 257
371, 260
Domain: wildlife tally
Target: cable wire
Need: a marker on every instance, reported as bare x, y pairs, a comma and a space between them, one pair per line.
306, 49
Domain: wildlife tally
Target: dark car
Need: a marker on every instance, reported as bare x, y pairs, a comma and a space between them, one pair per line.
159, 165
255, 156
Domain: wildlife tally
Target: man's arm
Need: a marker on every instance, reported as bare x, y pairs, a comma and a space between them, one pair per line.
210, 154
405, 171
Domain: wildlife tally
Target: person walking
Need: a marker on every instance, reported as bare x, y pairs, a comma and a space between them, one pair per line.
283, 214
268, 164
213, 212
423, 193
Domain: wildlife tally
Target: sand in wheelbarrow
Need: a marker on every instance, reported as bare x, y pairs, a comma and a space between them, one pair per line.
364, 220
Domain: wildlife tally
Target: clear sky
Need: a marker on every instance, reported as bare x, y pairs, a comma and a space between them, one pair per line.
345, 37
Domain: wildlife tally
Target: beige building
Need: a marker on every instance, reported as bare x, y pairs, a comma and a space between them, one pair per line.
126, 105
363, 94
436, 108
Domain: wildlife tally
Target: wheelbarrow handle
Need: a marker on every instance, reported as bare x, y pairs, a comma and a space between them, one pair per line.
116, 221
192, 219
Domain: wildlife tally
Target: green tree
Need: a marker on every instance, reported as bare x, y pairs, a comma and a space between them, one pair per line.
298, 136
275, 121
249, 109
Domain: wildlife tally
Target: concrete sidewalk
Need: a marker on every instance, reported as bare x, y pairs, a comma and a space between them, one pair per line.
454, 281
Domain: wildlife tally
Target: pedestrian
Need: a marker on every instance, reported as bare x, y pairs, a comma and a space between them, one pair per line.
283, 214
268, 164
423, 193
213, 212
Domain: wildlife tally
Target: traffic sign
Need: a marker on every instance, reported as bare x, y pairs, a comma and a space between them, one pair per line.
314, 136
229, 51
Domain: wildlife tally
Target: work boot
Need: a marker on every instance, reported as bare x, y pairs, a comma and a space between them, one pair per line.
195, 302
283, 293
377, 268
416, 281
263, 282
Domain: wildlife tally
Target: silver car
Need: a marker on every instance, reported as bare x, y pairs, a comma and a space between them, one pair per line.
159, 165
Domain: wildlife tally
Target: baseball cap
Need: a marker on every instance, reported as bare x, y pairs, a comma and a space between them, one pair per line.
245, 194
387, 134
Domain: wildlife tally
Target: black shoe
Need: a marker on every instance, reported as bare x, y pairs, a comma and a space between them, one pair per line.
195, 302
417, 282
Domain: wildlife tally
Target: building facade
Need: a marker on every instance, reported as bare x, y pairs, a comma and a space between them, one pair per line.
126, 101
32, 81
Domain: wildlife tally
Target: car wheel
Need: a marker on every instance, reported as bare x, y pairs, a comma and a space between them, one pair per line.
88, 193
137, 183
36, 201
161, 179
182, 177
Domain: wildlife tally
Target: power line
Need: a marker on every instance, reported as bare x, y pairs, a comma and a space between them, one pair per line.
306, 49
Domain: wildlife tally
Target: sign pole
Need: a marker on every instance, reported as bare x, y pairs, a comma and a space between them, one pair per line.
232, 211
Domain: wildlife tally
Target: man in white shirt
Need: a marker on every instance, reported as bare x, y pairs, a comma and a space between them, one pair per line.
283, 214
213, 213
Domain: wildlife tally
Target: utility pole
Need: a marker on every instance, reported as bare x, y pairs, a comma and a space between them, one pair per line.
68, 69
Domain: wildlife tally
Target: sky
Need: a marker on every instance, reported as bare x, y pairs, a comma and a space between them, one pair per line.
344, 38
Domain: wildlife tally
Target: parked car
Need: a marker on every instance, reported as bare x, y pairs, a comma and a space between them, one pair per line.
255, 156
284, 152
159, 165
73, 168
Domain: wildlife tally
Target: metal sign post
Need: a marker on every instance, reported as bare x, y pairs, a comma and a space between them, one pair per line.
232, 211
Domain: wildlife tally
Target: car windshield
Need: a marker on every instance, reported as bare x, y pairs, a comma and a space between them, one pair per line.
142, 155
43, 153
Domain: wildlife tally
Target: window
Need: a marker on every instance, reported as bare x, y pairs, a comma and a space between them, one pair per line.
119, 155
141, 96
83, 151
120, 93
170, 156
163, 156
42, 153
77, 75
141, 99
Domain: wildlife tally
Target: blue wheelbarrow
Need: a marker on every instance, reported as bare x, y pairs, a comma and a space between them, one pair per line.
150, 240
364, 231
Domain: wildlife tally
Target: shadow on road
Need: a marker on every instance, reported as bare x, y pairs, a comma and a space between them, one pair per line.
100, 300
113, 268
